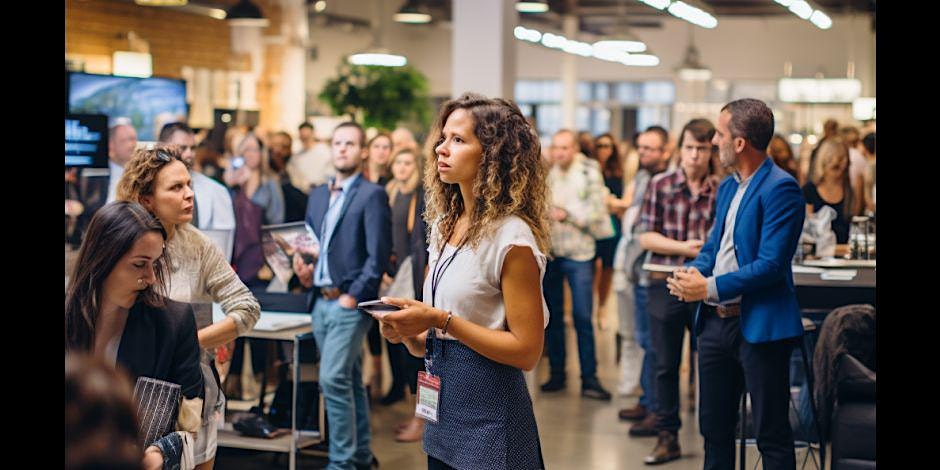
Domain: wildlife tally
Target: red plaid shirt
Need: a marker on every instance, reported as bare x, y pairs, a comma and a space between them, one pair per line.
669, 209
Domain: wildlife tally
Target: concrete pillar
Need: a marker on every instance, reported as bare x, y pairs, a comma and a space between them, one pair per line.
292, 93
569, 76
484, 49
247, 40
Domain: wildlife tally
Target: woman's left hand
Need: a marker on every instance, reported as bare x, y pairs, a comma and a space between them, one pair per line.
414, 317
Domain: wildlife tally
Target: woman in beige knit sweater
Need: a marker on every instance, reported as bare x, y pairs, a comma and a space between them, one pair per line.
159, 180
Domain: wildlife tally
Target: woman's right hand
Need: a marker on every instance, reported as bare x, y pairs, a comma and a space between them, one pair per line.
153, 459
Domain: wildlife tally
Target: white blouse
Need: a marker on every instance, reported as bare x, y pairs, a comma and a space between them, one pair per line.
470, 287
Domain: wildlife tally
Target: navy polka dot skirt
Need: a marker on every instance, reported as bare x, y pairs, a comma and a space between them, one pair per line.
485, 418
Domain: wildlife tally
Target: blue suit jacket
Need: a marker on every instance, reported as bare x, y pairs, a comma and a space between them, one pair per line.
361, 243
766, 231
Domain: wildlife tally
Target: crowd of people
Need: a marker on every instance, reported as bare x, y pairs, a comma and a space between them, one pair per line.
473, 236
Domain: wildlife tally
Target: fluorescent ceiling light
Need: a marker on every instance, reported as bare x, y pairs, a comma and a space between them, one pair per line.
319, 6
413, 13
641, 60
661, 4
692, 15
802, 9
796, 139
621, 45
611, 54
532, 6
526, 34
821, 20
378, 57
684, 11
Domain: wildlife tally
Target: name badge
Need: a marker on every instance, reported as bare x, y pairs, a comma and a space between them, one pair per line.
429, 390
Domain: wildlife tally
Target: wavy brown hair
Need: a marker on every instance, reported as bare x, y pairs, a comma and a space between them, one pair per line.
511, 180
140, 174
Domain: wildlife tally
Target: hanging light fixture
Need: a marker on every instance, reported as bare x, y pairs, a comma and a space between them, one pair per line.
161, 3
414, 12
620, 38
377, 54
245, 13
691, 68
532, 6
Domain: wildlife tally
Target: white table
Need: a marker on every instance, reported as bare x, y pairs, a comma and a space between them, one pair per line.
297, 439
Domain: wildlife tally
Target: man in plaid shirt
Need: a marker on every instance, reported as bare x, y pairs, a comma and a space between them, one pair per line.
677, 213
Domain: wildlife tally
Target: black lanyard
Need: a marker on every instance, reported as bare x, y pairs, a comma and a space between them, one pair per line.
440, 267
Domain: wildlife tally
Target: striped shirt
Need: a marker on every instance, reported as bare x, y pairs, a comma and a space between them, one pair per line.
670, 209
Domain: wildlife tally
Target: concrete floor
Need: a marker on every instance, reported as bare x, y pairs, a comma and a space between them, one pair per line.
576, 433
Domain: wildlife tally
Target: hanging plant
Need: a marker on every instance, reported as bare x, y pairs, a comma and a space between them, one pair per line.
382, 96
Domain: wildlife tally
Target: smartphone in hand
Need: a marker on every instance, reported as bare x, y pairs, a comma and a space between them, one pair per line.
377, 308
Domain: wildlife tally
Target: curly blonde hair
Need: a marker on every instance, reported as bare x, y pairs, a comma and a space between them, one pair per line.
140, 174
511, 180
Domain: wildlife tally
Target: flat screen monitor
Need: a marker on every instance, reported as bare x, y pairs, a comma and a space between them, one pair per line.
86, 140
148, 103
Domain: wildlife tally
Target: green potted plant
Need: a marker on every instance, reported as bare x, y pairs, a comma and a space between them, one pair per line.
378, 96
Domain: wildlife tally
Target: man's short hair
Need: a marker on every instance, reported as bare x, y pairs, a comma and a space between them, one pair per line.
661, 131
751, 119
168, 129
701, 129
869, 142
112, 131
306, 125
574, 137
362, 132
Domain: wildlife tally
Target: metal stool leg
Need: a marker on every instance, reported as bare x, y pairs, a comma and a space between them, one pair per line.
812, 401
743, 445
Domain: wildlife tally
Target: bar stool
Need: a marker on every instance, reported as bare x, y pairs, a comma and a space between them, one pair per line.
808, 325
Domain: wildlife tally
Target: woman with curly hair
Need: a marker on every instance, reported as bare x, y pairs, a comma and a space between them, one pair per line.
158, 179
485, 317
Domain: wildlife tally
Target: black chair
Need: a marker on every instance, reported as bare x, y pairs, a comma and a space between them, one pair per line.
852, 424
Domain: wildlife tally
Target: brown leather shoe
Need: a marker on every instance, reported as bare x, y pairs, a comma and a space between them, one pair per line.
666, 450
645, 428
636, 413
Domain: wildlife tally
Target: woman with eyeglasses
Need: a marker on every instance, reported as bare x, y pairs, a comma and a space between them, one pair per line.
608, 155
158, 179
116, 310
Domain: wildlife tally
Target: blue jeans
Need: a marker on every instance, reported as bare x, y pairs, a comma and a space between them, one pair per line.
580, 276
339, 333
643, 338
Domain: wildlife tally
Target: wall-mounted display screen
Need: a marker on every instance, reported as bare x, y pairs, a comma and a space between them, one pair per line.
148, 103
86, 140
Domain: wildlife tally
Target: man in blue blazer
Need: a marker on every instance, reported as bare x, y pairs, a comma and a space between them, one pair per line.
749, 320
350, 217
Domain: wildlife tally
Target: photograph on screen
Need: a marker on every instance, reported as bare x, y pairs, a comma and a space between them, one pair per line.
148, 103
280, 242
